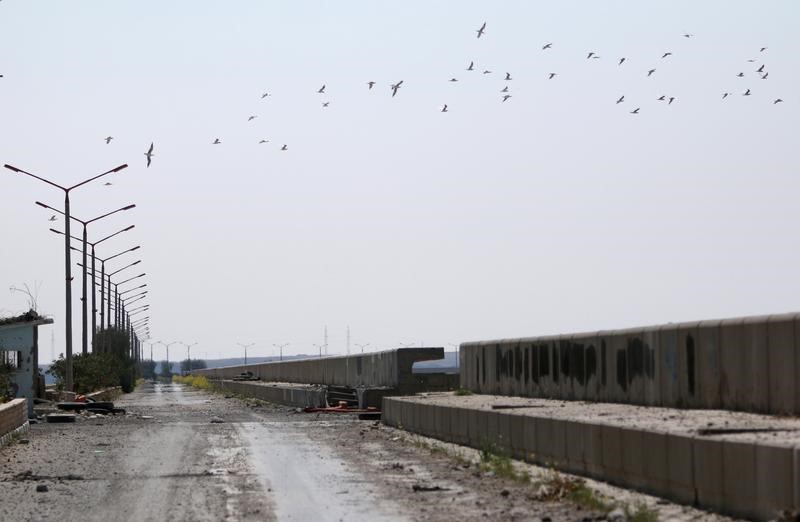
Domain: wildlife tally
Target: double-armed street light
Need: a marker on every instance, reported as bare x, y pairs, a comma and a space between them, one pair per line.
246, 346
280, 348
67, 260
188, 356
85, 223
320, 347
362, 346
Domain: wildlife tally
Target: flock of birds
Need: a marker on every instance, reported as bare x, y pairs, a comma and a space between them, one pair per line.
505, 92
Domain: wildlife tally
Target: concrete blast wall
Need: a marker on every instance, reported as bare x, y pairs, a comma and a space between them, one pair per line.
391, 368
747, 364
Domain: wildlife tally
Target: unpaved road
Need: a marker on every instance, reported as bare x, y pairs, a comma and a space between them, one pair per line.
262, 462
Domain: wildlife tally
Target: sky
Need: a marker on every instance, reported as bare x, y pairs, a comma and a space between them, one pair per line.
555, 211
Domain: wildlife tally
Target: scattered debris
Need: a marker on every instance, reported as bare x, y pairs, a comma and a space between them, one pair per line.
41, 488
216, 420
515, 406
145, 417
60, 417
421, 488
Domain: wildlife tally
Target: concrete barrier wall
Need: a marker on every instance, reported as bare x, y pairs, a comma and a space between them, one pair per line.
743, 478
391, 368
302, 397
13, 414
747, 364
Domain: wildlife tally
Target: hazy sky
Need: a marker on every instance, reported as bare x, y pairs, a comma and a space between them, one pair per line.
556, 211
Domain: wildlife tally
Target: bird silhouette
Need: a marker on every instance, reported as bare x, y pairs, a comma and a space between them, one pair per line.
325, 104
547, 46
506, 97
590, 55
251, 118
395, 87
285, 147
740, 75
671, 99
635, 111
650, 72
760, 69
264, 95
471, 66
508, 76
321, 90
263, 141
665, 55
687, 35
764, 77
762, 49
487, 71
661, 98
444, 109
371, 84
505, 89
746, 93
552, 75
108, 139
725, 95
216, 141
453, 79
621, 99
53, 218
149, 154
621, 60
107, 183
481, 30
777, 101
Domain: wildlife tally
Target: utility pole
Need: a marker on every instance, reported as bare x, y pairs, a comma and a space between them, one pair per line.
348, 340
245, 346
362, 346
326, 340
280, 347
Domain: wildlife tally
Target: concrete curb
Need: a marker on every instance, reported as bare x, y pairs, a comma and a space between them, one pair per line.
742, 478
11, 435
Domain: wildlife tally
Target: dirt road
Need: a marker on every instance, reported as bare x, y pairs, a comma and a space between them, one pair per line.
183, 454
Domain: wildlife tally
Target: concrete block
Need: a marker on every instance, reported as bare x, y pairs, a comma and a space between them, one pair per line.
636, 355
707, 364
633, 453
739, 477
651, 378
546, 448
575, 440
680, 468
530, 442
708, 472
459, 426
593, 449
669, 364
442, 423
776, 481
492, 431
503, 420
688, 376
473, 428
756, 346
654, 462
516, 426
734, 365
617, 383
427, 418
782, 354
612, 454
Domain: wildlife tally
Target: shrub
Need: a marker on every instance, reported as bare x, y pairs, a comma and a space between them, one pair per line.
95, 371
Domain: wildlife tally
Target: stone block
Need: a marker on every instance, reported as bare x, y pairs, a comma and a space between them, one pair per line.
756, 344
593, 449
680, 468
612, 454
633, 452
503, 420
707, 364
654, 462
781, 354
459, 425
516, 425
575, 439
708, 472
739, 477
530, 442
545, 445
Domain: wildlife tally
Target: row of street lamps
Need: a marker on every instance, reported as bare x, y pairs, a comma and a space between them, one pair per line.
135, 329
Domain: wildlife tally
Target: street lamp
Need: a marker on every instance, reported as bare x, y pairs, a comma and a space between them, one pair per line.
119, 308
67, 260
85, 334
188, 356
246, 346
362, 346
280, 348
167, 345
321, 346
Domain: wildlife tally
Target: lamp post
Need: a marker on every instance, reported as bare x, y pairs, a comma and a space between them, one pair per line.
245, 346
362, 346
85, 321
280, 348
167, 345
320, 347
120, 318
67, 260
188, 357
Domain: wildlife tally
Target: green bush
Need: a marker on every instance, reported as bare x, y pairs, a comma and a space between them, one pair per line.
147, 369
95, 371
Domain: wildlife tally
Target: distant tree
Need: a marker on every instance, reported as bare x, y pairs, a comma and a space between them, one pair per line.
197, 364
165, 370
147, 369
95, 371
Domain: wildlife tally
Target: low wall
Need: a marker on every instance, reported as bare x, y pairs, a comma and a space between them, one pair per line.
746, 364
292, 396
13, 416
391, 368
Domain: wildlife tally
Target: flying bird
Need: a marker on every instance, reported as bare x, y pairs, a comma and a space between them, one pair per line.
746, 93
395, 87
216, 141
487, 71
321, 90
53, 218
547, 46
505, 89
665, 55
264, 95
325, 104
762, 49
453, 79
471, 66
650, 72
590, 55
671, 99
764, 77
760, 69
371, 84
621, 60
263, 141
481, 30
508, 76
251, 118
687, 35
635, 111
661, 98
552, 75
107, 183
777, 101
740, 75
285, 147
108, 139
725, 95
506, 97
621, 99
444, 109
149, 154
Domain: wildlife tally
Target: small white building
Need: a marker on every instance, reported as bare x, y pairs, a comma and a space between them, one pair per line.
19, 349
